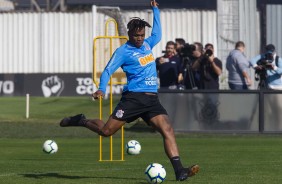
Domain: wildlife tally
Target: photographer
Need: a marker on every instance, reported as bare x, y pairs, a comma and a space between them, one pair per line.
268, 69
180, 43
190, 74
210, 67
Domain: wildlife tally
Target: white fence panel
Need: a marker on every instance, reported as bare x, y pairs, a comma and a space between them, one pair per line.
62, 42
274, 26
192, 25
46, 42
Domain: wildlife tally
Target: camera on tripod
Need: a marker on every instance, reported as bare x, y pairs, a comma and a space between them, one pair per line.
186, 54
264, 64
266, 60
187, 50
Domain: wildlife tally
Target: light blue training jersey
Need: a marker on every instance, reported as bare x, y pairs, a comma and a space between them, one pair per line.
138, 63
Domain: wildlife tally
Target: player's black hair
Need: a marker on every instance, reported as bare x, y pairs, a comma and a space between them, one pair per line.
136, 24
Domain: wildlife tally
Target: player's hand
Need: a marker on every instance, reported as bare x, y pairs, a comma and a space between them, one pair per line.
154, 3
98, 94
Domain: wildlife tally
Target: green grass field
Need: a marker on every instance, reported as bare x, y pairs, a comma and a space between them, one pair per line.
224, 159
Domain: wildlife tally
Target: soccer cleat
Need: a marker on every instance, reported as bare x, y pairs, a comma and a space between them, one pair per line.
77, 120
185, 173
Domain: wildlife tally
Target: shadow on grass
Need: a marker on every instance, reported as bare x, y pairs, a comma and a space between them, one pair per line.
52, 175
60, 176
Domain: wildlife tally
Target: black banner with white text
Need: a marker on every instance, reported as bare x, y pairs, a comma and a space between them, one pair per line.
47, 85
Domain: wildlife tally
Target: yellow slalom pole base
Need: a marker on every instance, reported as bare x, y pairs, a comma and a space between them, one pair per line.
111, 148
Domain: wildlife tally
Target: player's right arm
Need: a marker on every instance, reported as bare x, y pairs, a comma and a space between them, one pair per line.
115, 62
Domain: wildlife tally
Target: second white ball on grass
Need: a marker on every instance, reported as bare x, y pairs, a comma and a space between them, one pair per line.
133, 147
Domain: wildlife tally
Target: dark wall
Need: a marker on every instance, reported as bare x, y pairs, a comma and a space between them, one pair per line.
50, 84
140, 4
127, 4
269, 2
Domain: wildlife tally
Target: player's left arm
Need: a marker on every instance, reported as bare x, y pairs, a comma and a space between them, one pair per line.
115, 62
156, 34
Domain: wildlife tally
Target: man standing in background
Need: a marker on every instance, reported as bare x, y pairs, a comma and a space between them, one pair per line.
180, 42
238, 68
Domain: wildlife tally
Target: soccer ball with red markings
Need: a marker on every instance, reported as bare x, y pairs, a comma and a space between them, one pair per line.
133, 147
50, 147
155, 173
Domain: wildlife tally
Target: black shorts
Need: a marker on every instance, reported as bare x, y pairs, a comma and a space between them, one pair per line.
134, 105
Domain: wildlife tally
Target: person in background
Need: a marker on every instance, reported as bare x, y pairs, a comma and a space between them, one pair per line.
180, 42
189, 74
238, 68
168, 67
268, 67
210, 67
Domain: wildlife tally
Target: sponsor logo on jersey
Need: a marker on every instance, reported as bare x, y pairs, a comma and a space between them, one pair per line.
135, 53
151, 81
119, 113
146, 59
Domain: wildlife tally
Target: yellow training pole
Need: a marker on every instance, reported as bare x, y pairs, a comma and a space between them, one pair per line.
111, 100
111, 83
101, 138
122, 144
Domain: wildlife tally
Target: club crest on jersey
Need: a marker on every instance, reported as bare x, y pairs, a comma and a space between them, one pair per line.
146, 59
119, 113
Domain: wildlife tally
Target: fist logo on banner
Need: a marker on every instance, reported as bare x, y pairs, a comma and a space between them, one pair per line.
52, 86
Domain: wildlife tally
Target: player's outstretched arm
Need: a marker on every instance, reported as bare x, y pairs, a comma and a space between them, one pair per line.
156, 33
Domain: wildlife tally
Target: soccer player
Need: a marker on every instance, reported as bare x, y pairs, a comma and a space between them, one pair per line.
139, 97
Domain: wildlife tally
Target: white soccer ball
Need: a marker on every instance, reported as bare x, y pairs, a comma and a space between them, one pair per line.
50, 147
133, 147
155, 173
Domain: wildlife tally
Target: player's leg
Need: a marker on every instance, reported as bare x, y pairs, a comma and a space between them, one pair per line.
96, 125
108, 129
162, 124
